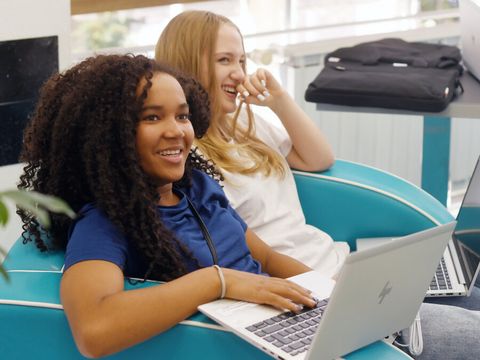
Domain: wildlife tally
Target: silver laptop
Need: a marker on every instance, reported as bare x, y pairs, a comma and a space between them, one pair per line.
459, 267
378, 292
470, 35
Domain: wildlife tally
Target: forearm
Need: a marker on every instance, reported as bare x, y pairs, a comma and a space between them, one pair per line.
310, 148
126, 318
273, 263
283, 266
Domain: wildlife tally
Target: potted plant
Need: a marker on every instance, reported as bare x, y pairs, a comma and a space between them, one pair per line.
38, 204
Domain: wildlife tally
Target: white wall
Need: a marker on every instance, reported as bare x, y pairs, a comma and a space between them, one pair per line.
23, 19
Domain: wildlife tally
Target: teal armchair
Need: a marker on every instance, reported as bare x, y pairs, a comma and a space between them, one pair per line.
351, 201
348, 201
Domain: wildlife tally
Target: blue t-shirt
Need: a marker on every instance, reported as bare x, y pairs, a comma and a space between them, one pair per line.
95, 237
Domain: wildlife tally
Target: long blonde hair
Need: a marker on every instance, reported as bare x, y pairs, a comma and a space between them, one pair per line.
188, 40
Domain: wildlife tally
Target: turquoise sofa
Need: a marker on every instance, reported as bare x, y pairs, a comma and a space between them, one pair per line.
349, 201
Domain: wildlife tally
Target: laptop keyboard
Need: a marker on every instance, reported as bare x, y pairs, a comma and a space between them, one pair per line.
441, 279
291, 332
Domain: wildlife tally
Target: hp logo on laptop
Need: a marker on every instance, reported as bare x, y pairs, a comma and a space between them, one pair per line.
387, 289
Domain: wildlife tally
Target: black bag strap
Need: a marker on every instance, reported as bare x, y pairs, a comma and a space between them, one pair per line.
205, 232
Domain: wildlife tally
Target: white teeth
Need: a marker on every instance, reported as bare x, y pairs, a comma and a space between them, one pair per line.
170, 152
229, 89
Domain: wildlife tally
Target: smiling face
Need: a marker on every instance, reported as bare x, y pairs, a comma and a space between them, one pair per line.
229, 60
164, 132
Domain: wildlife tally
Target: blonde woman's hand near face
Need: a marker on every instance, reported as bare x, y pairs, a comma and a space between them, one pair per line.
262, 88
280, 293
310, 150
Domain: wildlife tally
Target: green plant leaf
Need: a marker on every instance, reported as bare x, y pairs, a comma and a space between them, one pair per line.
35, 203
3, 213
4, 273
39, 213
27, 199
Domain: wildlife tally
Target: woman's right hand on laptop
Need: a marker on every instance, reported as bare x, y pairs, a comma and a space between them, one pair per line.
280, 293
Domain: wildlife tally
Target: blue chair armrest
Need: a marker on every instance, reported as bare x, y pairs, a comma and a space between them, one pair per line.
351, 201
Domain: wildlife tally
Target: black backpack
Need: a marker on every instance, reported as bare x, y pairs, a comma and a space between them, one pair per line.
389, 73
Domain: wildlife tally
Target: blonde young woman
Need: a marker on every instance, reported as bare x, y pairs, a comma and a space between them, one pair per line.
253, 155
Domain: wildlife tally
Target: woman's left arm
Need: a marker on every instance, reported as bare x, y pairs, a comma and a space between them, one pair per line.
273, 263
310, 148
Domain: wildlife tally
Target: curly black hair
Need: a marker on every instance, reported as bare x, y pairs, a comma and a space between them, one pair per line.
80, 145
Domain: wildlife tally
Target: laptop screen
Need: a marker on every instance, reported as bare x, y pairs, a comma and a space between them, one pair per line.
467, 231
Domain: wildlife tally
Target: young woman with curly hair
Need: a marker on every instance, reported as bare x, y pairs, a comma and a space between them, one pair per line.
112, 136
253, 155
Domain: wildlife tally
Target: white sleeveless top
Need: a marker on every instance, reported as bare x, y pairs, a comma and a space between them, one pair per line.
271, 208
